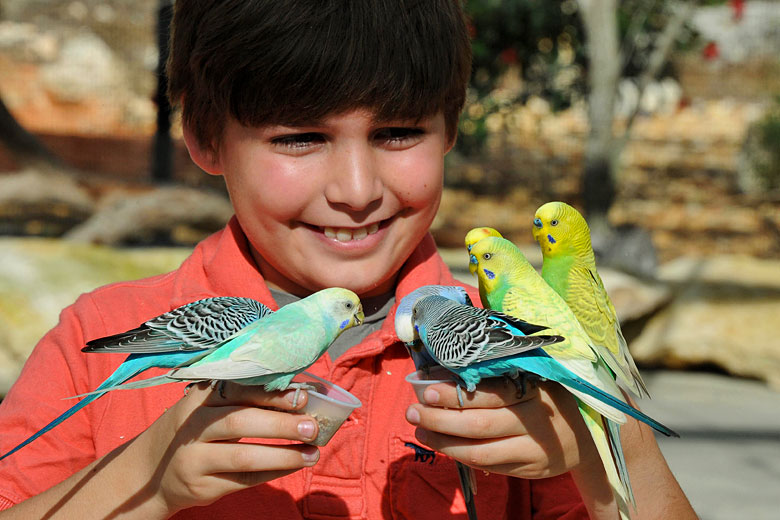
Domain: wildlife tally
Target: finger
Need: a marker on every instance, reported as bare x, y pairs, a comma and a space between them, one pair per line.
484, 453
236, 422
250, 395
472, 423
238, 481
241, 457
494, 392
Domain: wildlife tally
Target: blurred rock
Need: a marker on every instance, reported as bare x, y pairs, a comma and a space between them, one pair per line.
634, 298
85, 69
724, 312
41, 204
626, 248
26, 42
42, 276
163, 216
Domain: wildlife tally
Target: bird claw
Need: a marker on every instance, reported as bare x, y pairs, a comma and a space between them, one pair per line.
460, 395
298, 387
218, 385
521, 380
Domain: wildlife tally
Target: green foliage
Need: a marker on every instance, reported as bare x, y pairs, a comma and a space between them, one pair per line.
544, 41
767, 164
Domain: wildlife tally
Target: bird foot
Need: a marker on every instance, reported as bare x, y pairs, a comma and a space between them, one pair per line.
298, 387
218, 385
521, 380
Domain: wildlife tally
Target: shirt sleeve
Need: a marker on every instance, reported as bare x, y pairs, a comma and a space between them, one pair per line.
557, 498
54, 370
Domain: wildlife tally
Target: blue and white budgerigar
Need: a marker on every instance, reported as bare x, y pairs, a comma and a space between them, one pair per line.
509, 283
475, 343
272, 351
167, 341
404, 328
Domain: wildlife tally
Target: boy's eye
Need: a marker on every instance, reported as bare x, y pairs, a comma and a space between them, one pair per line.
398, 135
302, 140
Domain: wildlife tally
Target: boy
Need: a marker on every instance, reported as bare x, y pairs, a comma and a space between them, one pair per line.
329, 122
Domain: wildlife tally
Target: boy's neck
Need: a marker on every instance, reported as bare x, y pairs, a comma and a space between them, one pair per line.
277, 281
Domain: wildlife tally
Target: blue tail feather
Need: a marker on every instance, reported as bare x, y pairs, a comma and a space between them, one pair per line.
539, 363
132, 366
554, 371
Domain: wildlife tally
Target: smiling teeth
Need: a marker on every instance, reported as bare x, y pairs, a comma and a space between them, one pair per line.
345, 234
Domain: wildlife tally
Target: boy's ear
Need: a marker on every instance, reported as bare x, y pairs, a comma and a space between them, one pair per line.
452, 142
205, 158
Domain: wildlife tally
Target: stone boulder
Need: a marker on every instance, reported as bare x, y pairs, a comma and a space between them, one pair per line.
41, 204
724, 312
163, 216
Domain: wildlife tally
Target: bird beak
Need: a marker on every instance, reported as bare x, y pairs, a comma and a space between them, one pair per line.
359, 316
473, 264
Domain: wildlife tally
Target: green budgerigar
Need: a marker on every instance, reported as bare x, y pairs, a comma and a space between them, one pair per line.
272, 351
569, 267
509, 283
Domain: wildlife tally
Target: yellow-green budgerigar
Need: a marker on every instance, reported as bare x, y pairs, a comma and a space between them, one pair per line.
474, 236
509, 283
272, 351
569, 267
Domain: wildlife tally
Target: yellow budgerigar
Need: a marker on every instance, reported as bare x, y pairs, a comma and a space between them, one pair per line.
569, 267
474, 236
509, 283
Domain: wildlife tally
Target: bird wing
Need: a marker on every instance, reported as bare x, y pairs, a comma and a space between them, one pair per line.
199, 325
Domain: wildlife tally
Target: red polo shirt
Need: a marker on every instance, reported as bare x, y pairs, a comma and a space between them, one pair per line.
371, 468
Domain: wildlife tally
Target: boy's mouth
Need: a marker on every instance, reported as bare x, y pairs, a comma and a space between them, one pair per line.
350, 234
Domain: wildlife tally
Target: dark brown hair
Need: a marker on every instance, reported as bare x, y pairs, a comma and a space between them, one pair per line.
294, 61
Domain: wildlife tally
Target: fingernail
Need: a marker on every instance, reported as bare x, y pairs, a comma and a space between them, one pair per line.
431, 396
310, 455
306, 429
412, 415
290, 396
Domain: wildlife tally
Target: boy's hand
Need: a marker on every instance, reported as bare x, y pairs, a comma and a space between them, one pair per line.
193, 454
538, 435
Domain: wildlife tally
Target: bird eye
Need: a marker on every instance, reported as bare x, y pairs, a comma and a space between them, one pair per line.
487, 256
349, 305
554, 222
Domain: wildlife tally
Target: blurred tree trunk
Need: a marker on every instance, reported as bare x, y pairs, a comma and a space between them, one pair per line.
162, 145
24, 147
603, 148
598, 187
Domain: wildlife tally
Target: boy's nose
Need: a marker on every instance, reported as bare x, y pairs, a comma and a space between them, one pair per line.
355, 181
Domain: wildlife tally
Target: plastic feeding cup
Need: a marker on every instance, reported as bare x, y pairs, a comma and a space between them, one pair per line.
328, 404
420, 380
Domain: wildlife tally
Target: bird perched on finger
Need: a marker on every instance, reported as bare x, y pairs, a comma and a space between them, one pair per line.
404, 327
429, 321
272, 351
166, 341
569, 267
510, 284
475, 343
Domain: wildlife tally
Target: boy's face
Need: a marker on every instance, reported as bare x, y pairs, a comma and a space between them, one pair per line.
340, 202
